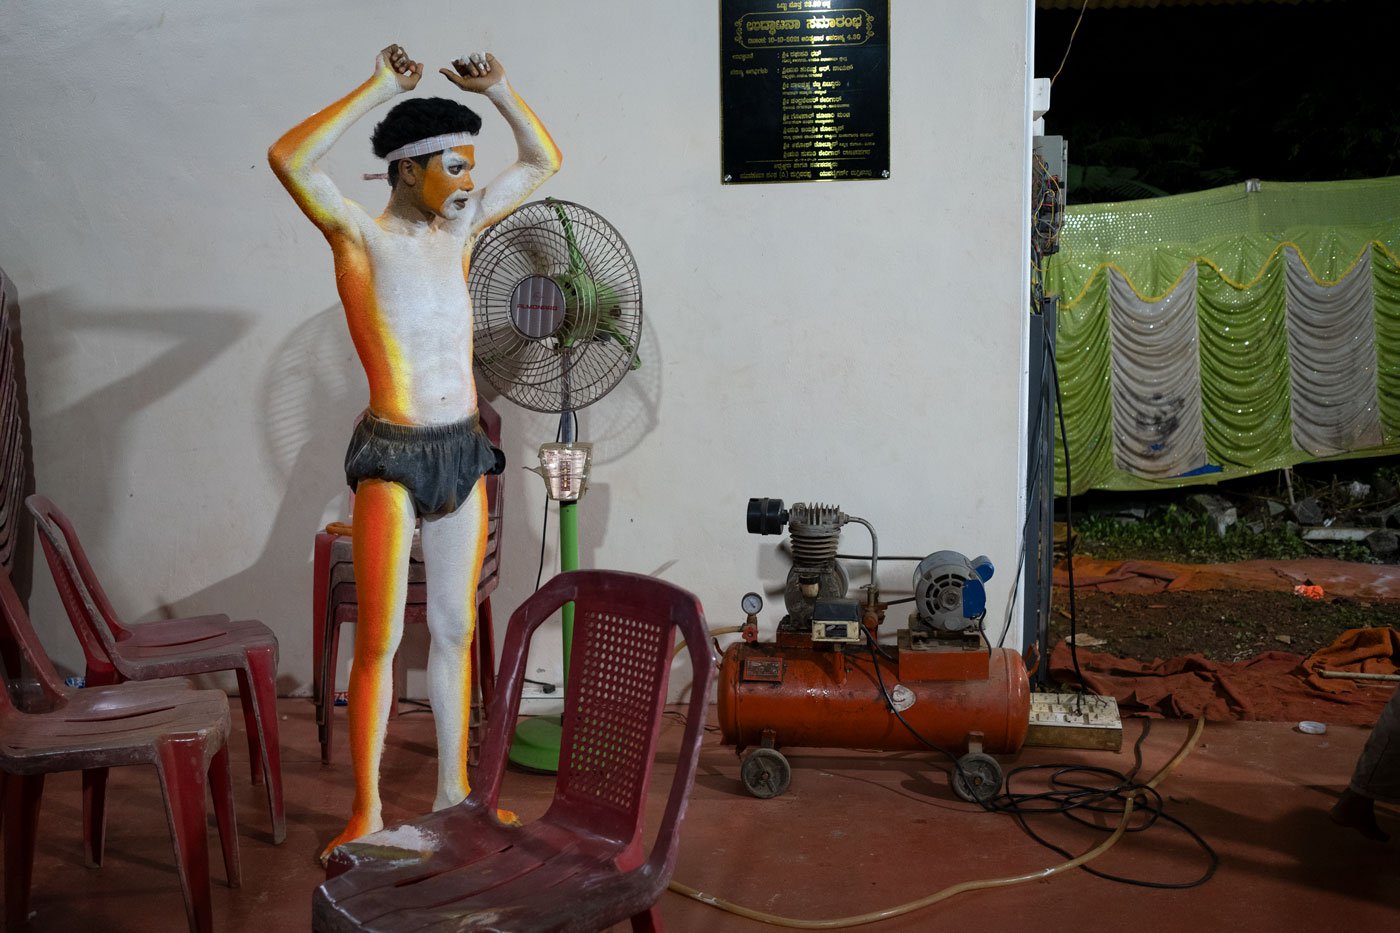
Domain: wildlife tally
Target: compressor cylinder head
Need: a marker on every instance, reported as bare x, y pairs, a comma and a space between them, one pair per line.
815, 532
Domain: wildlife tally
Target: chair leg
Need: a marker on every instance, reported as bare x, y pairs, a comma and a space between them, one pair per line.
250, 721
23, 794
485, 638
180, 763
648, 921
94, 815
328, 666
320, 595
262, 683
221, 786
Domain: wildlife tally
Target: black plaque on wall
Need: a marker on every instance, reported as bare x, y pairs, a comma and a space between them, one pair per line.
804, 90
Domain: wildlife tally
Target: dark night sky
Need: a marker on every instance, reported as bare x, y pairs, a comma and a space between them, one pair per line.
1191, 97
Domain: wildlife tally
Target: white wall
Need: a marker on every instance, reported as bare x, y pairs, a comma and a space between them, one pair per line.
192, 387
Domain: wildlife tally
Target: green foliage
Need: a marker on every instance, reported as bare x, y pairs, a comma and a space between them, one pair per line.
1181, 536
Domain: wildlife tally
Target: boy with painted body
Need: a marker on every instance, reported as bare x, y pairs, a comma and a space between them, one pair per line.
418, 452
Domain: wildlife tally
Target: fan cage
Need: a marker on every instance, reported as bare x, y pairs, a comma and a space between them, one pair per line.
590, 261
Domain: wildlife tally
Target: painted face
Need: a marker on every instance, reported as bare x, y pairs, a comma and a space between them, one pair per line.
448, 180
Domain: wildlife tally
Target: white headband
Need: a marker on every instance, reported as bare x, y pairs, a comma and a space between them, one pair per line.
431, 144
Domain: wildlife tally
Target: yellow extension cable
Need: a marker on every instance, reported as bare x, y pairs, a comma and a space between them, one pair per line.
874, 916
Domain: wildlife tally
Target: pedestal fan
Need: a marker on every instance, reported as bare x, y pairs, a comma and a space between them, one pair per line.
558, 317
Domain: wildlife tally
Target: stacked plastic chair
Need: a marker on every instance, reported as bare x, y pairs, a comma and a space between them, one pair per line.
182, 732
116, 651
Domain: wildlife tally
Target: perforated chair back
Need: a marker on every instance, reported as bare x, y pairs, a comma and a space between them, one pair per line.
623, 639
617, 690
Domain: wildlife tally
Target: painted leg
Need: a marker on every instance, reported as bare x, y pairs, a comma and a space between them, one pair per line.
453, 548
383, 523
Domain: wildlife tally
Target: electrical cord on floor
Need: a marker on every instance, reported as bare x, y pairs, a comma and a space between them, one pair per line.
1068, 794
841, 923
1066, 797
1073, 792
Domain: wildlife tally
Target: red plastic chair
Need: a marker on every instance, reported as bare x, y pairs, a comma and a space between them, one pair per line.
335, 603
169, 648
179, 730
581, 866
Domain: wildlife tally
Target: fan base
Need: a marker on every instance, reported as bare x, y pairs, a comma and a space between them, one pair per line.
536, 745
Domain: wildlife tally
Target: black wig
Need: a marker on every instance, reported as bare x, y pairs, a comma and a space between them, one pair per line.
419, 118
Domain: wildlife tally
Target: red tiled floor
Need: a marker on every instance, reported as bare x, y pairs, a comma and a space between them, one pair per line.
856, 832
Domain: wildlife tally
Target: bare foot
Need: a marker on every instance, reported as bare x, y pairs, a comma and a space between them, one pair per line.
357, 827
1359, 813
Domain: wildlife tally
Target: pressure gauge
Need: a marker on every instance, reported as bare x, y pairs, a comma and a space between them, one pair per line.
752, 604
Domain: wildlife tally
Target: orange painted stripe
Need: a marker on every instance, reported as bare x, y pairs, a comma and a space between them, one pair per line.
386, 368
381, 541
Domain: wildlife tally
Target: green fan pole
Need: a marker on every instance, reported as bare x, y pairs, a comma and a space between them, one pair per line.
537, 738
568, 560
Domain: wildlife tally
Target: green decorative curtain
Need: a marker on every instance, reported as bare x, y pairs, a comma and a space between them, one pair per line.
1293, 354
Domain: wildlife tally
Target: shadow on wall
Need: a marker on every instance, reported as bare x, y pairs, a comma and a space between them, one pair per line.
311, 391
616, 424
86, 447
58, 336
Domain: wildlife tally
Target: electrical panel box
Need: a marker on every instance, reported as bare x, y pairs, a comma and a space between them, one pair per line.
836, 620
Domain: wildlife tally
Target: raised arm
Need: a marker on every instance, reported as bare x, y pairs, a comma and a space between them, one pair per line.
537, 157
296, 156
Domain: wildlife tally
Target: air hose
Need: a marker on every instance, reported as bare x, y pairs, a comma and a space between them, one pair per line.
842, 923
726, 630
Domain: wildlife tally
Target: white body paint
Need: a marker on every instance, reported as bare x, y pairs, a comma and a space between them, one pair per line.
401, 278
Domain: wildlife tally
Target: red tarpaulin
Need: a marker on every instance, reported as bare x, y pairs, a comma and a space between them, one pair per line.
1336, 577
1275, 686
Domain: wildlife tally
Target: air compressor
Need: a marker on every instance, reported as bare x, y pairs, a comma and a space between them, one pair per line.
826, 681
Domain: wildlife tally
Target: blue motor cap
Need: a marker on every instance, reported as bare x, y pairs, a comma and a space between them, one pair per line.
974, 594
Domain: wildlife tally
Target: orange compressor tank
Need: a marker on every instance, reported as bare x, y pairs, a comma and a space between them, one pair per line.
826, 698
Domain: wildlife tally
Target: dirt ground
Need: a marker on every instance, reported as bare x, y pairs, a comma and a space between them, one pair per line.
1223, 625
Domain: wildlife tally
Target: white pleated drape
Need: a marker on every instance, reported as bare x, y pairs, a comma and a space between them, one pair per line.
1332, 359
1154, 355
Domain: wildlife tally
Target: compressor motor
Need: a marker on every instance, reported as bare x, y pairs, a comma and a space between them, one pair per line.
825, 681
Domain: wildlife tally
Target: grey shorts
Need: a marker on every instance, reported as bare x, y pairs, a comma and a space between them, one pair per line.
439, 464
